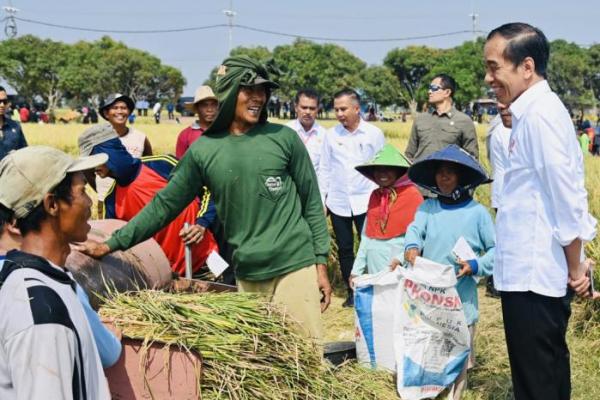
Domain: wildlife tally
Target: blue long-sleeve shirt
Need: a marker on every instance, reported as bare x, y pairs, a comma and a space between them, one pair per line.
438, 226
375, 255
109, 347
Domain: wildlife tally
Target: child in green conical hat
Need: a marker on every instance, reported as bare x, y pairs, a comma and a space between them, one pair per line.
391, 209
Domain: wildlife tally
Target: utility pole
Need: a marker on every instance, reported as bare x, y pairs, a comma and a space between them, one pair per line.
229, 13
475, 25
10, 29
474, 21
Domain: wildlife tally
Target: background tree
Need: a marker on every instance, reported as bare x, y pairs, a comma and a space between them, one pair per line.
465, 64
571, 76
412, 65
323, 67
380, 83
594, 59
326, 68
84, 71
34, 67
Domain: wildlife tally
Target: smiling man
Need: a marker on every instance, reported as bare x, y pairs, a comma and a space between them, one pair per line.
265, 192
48, 349
306, 125
116, 110
543, 217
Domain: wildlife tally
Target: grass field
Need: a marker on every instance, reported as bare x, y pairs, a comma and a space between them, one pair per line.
491, 378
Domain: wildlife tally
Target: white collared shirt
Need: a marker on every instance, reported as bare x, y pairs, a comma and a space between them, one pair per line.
544, 204
312, 139
497, 146
345, 190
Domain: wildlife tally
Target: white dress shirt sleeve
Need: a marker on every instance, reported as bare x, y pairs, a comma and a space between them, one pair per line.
558, 162
497, 155
324, 171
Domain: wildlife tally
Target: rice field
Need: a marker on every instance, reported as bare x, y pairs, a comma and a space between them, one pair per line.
490, 380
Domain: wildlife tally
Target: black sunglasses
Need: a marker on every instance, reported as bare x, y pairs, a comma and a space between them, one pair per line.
4, 101
435, 88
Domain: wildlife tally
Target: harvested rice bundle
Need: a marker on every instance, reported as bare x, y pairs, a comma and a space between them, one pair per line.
250, 350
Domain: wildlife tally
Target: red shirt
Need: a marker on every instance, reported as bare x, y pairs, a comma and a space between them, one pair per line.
186, 138
129, 201
24, 114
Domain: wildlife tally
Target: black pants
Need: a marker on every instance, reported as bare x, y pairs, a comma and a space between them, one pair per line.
344, 237
535, 327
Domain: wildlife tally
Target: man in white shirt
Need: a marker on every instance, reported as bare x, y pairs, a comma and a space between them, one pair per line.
47, 349
542, 217
309, 130
497, 141
497, 150
345, 191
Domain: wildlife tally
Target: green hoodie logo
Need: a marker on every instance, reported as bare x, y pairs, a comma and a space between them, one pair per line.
274, 184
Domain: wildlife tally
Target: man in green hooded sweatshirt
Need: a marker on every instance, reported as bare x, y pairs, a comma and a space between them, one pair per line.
265, 191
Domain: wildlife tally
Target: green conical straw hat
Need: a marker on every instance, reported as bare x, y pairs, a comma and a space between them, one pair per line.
388, 156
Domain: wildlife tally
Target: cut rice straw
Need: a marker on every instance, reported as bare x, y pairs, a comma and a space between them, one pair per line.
250, 350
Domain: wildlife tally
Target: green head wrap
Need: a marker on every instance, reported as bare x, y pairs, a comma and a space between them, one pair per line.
235, 72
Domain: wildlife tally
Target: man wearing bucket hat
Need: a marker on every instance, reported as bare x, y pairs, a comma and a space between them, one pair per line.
391, 209
116, 110
48, 348
205, 106
265, 192
452, 174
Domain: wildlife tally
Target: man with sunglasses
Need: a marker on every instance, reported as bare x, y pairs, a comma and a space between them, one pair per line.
11, 135
445, 125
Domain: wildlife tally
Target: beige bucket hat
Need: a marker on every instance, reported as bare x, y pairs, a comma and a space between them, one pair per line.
28, 174
202, 93
94, 136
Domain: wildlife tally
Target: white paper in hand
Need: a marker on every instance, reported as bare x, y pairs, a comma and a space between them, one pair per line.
216, 264
463, 251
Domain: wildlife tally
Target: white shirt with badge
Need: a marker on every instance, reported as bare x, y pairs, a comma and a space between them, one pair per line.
312, 139
345, 190
544, 204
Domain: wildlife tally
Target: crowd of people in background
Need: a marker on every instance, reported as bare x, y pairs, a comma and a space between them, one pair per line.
260, 192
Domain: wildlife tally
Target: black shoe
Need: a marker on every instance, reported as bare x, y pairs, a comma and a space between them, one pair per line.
349, 301
490, 290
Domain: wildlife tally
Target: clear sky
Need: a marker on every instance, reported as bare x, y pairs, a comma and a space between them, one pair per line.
197, 52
